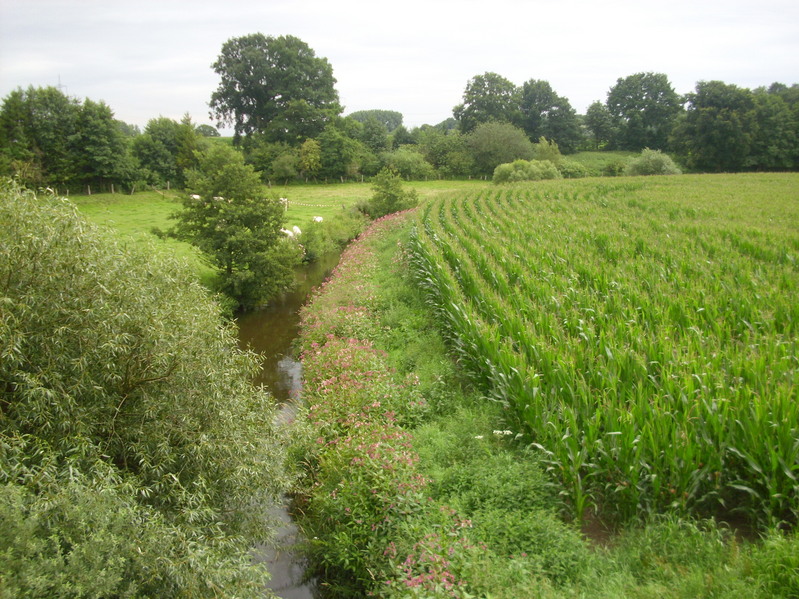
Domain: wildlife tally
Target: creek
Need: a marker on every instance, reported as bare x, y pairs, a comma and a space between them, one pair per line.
271, 332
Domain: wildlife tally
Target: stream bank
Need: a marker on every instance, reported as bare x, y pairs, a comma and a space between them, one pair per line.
271, 332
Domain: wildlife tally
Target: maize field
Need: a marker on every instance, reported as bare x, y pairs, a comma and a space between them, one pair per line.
643, 333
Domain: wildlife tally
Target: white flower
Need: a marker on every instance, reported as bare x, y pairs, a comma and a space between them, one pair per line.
478, 436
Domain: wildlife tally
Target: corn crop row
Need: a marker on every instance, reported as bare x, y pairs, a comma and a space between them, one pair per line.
647, 345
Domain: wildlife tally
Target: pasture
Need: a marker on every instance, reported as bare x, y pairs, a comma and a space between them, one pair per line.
644, 332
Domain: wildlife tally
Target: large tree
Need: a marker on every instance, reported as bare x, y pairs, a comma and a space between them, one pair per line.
487, 97
275, 86
644, 107
546, 114
729, 128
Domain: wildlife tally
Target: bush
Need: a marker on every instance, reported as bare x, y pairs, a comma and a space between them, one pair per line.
652, 162
524, 170
570, 169
408, 163
134, 452
389, 195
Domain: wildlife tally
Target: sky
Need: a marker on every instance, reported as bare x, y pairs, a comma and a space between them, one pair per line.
147, 58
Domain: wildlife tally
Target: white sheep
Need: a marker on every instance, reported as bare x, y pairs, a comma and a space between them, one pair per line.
296, 230
194, 196
287, 233
317, 219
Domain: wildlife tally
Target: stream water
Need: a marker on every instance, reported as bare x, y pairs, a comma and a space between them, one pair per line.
271, 332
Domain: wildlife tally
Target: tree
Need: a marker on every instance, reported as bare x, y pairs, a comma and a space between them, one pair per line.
546, 114
389, 196
276, 86
599, 122
36, 126
226, 215
492, 144
310, 157
100, 151
136, 458
206, 130
374, 134
487, 97
644, 107
389, 119
715, 132
167, 149
408, 162
341, 155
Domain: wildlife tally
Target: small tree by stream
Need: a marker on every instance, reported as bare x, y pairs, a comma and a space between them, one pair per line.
226, 215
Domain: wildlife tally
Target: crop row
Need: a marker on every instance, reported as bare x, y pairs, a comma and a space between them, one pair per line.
646, 337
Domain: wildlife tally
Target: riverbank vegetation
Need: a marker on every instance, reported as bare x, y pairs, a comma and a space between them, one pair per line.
136, 459
428, 477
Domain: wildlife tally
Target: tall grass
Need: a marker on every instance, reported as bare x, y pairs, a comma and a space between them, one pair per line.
645, 333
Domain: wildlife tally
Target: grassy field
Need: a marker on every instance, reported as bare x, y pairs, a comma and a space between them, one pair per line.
644, 331
136, 217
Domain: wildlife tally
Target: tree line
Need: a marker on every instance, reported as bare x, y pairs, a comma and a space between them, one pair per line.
281, 101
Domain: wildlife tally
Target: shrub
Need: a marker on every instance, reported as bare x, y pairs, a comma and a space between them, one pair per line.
652, 162
389, 196
125, 394
571, 169
524, 170
408, 163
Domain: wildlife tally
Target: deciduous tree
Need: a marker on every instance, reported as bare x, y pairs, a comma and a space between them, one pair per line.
644, 107
276, 86
487, 97
546, 114
226, 215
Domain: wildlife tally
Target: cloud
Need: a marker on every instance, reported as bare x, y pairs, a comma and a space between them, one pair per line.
154, 58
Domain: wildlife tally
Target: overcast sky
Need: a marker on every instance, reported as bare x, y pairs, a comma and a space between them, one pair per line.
148, 58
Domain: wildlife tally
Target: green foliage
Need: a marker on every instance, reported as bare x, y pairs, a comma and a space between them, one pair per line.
310, 157
135, 457
275, 86
644, 107
47, 138
227, 217
524, 170
492, 144
389, 195
546, 114
206, 130
557, 364
600, 123
572, 169
547, 150
388, 119
487, 97
727, 128
409, 163
652, 162
166, 151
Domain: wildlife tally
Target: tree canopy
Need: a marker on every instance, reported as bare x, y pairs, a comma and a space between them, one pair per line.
546, 114
275, 86
644, 107
487, 97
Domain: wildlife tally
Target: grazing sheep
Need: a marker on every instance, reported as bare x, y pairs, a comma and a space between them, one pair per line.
317, 219
296, 230
287, 233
